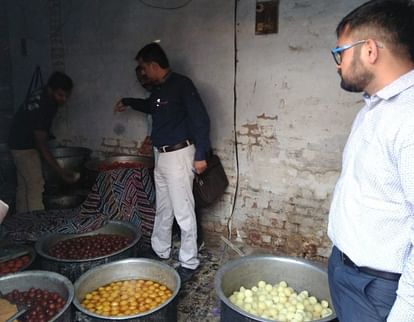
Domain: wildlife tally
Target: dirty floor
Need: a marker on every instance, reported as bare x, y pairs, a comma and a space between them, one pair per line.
197, 300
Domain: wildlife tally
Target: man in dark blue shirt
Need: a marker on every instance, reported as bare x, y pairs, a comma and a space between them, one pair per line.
180, 135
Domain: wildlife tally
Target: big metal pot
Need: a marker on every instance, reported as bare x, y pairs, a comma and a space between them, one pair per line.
133, 268
69, 158
247, 271
50, 281
74, 268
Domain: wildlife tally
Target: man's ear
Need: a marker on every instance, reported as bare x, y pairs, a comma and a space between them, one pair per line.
372, 51
155, 65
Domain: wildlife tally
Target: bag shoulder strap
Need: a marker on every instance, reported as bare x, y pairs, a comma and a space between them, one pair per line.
36, 82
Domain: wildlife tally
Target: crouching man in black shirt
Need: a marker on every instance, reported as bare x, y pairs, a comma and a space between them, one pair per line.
180, 135
28, 141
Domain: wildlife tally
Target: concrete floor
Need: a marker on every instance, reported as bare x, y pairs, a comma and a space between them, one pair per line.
197, 300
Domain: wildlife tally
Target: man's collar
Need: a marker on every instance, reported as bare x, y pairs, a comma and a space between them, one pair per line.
397, 86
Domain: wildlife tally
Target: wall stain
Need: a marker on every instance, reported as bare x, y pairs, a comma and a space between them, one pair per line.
264, 117
298, 5
296, 48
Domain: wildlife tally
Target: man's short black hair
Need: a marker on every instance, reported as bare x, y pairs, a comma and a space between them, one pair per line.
153, 53
388, 21
59, 80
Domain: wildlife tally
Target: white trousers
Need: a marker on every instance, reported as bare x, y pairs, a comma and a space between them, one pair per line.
174, 189
30, 182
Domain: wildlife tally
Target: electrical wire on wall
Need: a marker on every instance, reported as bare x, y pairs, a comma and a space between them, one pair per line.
165, 8
236, 152
236, 149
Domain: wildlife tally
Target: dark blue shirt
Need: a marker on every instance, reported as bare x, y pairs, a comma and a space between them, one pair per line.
178, 114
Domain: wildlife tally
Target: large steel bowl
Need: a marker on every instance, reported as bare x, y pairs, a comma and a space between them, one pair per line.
7, 248
63, 201
137, 268
247, 271
73, 268
50, 281
69, 158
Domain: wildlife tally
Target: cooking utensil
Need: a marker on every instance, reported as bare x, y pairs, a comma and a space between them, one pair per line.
12, 251
21, 309
127, 269
248, 270
50, 281
74, 268
20, 312
8, 257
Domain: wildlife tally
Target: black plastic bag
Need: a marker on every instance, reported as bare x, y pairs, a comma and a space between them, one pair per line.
211, 184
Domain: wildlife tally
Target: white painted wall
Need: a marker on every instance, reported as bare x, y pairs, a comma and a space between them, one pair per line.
101, 40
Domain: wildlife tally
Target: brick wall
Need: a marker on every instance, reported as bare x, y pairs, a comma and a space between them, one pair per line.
283, 196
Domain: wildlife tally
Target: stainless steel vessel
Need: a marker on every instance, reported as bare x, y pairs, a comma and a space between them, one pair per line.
72, 268
248, 271
50, 281
63, 201
8, 249
133, 268
70, 158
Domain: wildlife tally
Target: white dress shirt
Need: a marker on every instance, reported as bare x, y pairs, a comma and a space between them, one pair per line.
372, 212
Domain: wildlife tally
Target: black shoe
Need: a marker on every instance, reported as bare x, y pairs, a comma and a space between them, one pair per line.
153, 255
185, 273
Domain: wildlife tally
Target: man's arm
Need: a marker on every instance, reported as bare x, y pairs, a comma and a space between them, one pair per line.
41, 138
403, 308
137, 104
200, 124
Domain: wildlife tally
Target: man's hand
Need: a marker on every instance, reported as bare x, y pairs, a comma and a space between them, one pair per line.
119, 107
146, 147
200, 166
69, 176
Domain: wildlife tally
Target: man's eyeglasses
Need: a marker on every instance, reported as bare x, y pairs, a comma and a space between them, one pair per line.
337, 52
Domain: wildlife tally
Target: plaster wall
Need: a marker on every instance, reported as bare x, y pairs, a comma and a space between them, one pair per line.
292, 124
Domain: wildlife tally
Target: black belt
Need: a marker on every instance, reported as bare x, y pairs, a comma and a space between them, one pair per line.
175, 147
370, 271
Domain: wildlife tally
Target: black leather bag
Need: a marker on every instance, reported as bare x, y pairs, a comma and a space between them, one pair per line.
211, 184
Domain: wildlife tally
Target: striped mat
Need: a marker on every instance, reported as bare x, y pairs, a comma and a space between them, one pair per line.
120, 194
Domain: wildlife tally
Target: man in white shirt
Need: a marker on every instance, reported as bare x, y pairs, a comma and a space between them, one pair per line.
371, 220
